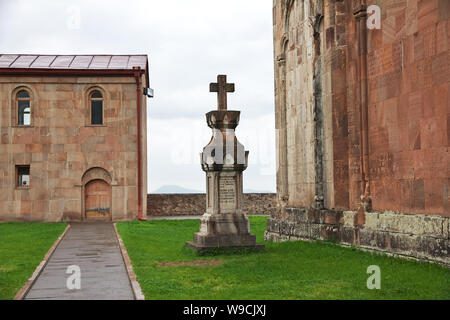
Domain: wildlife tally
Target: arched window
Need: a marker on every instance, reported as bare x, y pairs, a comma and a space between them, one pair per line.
23, 102
96, 101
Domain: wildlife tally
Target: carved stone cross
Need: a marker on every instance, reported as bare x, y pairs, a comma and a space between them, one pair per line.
222, 88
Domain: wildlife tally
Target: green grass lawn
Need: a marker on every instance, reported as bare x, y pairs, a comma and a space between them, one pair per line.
22, 248
291, 270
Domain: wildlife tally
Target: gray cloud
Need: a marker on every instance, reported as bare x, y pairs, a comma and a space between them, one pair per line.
188, 43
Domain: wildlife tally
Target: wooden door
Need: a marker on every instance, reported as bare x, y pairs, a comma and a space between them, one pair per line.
98, 200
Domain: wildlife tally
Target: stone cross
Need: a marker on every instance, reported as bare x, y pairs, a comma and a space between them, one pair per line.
222, 88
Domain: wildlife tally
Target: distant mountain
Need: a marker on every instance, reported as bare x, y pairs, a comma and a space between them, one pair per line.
175, 189
257, 191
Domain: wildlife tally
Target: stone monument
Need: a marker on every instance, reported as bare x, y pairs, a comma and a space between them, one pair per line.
224, 225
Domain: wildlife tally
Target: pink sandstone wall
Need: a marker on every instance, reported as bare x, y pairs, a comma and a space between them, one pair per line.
60, 146
381, 114
408, 78
406, 72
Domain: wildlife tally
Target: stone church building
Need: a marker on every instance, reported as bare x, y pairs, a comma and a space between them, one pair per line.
73, 137
362, 118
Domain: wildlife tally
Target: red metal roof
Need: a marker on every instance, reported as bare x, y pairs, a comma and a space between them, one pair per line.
73, 62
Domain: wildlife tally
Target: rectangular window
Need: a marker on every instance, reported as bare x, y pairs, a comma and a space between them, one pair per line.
23, 176
24, 113
97, 112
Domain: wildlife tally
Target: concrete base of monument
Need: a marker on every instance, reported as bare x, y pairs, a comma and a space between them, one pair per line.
229, 242
205, 249
224, 232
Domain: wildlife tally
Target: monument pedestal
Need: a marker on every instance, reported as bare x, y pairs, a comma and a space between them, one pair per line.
224, 225
224, 231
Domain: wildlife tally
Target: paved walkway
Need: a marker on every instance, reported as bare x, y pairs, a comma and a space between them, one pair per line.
94, 248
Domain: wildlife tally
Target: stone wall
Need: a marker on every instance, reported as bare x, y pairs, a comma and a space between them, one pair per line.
362, 117
424, 237
195, 204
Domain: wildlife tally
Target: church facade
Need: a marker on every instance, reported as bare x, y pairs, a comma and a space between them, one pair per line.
362, 118
73, 137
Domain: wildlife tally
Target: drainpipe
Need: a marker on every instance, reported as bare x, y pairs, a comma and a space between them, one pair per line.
137, 75
361, 30
319, 201
364, 103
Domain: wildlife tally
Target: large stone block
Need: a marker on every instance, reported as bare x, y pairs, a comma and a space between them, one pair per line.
225, 240
329, 232
433, 225
389, 221
330, 217
406, 244
383, 241
269, 236
273, 225
301, 230
368, 238
347, 235
372, 220
438, 248
349, 218
315, 216
315, 231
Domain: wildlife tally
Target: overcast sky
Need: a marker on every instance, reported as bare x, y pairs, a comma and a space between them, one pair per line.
188, 44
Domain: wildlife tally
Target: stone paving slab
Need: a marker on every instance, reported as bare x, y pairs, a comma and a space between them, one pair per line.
94, 248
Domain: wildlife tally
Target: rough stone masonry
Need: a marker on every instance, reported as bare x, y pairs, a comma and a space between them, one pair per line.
194, 204
362, 117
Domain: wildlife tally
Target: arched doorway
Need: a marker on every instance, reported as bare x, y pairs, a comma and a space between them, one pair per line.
97, 195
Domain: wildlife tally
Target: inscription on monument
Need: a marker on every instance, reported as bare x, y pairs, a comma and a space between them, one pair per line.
227, 192
210, 192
